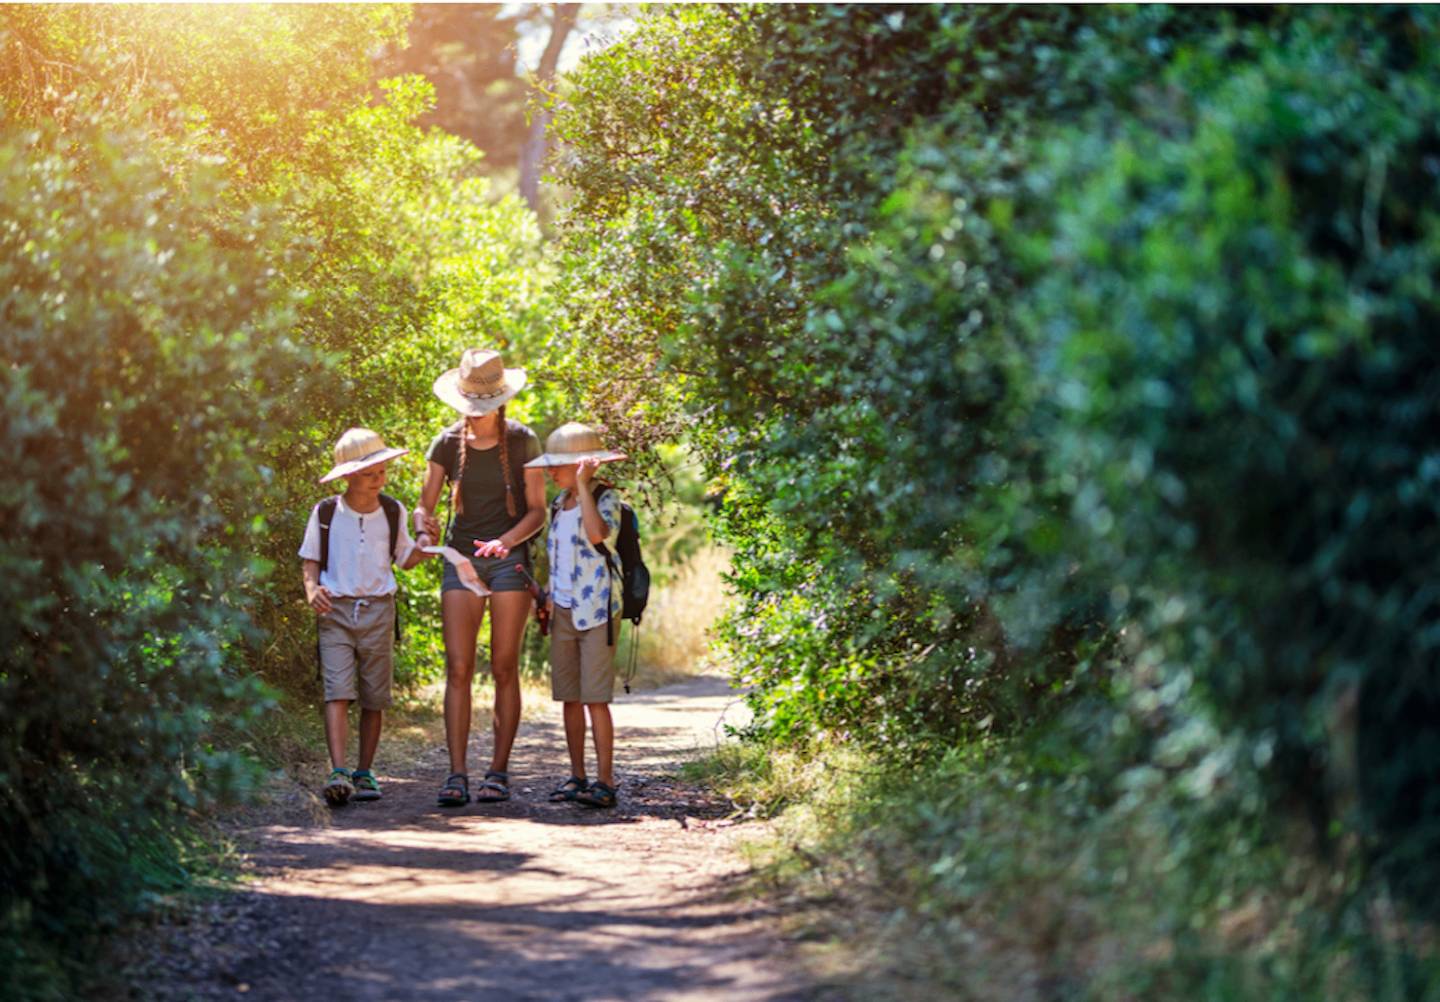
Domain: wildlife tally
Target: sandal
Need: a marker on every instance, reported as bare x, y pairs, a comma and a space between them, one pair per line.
338, 787
569, 789
366, 786
598, 794
456, 790
499, 783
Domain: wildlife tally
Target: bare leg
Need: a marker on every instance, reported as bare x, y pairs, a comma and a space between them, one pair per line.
509, 611
604, 729
461, 613
575, 737
370, 721
337, 730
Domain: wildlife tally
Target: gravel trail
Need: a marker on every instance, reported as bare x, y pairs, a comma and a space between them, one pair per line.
527, 900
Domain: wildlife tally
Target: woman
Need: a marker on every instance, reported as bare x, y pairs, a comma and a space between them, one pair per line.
495, 506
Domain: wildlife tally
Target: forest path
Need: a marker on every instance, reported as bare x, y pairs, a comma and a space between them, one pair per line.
525, 900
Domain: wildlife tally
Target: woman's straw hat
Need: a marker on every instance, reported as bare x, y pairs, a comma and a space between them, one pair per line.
571, 443
359, 449
482, 383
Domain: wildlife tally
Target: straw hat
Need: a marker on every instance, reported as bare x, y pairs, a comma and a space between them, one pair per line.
359, 449
482, 383
571, 443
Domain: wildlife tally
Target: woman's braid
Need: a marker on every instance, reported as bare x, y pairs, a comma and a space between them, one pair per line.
456, 506
505, 463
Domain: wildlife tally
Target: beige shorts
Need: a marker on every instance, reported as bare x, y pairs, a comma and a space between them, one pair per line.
582, 664
357, 650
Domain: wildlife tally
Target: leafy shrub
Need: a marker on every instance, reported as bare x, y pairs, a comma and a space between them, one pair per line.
224, 242
147, 346
1057, 365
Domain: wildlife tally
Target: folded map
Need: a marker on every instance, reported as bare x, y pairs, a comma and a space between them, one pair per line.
464, 569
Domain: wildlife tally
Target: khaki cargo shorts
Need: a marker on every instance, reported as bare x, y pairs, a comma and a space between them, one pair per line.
582, 664
357, 650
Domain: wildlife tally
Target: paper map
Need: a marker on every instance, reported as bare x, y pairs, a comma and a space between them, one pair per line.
463, 568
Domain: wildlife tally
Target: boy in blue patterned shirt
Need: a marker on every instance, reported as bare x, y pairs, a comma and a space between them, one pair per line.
582, 652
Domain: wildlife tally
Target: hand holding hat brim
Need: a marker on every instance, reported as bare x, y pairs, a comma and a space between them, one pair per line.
572, 458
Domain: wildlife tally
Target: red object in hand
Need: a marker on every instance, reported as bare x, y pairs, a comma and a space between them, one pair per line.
542, 607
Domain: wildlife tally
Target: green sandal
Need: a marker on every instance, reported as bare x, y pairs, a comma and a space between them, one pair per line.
366, 786
338, 788
456, 791
597, 795
498, 783
568, 790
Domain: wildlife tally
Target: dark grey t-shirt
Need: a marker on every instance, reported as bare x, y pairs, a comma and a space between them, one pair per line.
482, 491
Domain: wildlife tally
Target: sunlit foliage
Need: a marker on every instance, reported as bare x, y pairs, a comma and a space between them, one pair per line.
1068, 373
222, 241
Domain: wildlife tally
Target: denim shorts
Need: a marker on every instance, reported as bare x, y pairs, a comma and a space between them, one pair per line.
496, 573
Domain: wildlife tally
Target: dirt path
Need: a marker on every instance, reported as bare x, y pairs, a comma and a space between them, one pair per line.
521, 901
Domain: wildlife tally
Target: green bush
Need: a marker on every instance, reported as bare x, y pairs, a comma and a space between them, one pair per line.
1237, 344
224, 242
147, 344
1063, 369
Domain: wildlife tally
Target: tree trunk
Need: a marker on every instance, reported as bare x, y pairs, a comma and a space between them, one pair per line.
532, 154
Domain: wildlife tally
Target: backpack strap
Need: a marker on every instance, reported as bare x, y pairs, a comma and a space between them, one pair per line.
604, 551
601, 548
392, 519
325, 514
515, 438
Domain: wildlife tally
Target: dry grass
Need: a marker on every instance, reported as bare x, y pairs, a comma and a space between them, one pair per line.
675, 633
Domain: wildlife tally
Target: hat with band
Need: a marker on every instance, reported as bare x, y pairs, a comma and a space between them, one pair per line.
481, 384
359, 449
570, 443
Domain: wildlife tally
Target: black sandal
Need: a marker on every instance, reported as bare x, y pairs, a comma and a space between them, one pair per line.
454, 794
496, 781
569, 790
598, 794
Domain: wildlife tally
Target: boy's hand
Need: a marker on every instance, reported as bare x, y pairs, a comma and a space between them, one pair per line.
424, 540
319, 599
429, 524
585, 470
491, 548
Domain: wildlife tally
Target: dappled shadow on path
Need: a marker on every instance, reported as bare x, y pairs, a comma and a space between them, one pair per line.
526, 899
579, 946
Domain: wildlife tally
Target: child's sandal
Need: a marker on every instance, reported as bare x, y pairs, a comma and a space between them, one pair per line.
338, 787
456, 791
366, 785
568, 790
597, 794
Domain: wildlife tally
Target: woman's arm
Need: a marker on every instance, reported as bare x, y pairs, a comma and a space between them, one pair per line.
424, 516
534, 517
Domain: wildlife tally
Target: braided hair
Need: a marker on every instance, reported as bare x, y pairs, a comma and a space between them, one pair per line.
456, 505
505, 463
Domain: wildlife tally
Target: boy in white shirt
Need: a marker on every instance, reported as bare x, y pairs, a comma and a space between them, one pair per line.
350, 542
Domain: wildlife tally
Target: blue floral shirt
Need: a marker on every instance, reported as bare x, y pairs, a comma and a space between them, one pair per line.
590, 599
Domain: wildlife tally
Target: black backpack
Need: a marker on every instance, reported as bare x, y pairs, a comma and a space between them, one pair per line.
634, 575
326, 513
